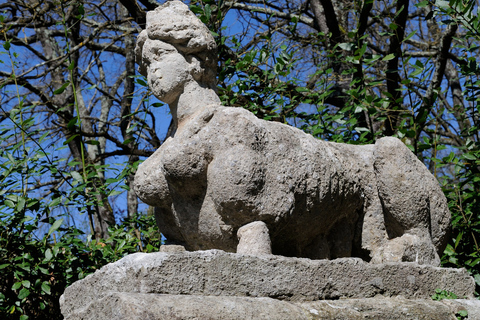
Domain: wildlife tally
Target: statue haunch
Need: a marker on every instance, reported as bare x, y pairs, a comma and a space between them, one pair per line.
227, 179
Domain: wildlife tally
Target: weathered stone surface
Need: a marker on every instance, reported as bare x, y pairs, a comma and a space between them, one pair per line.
217, 273
140, 306
471, 305
170, 28
408, 198
224, 169
172, 248
380, 308
254, 239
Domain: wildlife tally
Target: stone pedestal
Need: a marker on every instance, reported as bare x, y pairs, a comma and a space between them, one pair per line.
218, 285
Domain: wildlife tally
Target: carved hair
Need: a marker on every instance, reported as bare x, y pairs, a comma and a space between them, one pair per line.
175, 24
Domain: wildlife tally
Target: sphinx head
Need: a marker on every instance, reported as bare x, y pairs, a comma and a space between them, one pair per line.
175, 48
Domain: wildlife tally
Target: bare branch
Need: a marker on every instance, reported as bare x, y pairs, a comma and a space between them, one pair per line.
270, 12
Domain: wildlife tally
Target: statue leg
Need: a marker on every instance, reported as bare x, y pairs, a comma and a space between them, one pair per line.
253, 239
412, 246
404, 192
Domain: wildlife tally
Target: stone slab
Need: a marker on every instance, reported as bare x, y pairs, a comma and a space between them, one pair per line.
218, 273
141, 306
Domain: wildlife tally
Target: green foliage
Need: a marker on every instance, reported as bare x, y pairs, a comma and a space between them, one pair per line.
444, 294
462, 314
39, 253
41, 250
463, 187
464, 202
36, 269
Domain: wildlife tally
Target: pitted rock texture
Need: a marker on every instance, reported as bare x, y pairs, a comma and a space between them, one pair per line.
217, 273
228, 285
254, 239
224, 168
138, 306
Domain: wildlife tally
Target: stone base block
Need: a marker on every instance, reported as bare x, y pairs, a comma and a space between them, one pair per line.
218, 285
141, 306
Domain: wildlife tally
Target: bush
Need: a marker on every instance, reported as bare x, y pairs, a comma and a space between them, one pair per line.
36, 270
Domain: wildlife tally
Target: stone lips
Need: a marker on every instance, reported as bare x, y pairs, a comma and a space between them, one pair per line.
217, 273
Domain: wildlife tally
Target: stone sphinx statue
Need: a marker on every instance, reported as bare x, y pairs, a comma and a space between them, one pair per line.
228, 180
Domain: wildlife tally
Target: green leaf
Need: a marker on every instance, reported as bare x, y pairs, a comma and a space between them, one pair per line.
23, 317
195, 9
358, 109
43, 136
9, 204
76, 176
477, 279
6, 45
23, 293
62, 88
389, 57
449, 158
55, 226
347, 46
26, 283
114, 193
458, 239
462, 313
70, 139
416, 72
422, 4
48, 255
127, 141
393, 26
20, 204
3, 266
411, 34
208, 11
55, 202
43, 270
302, 89
469, 156
449, 250
142, 82
46, 287
71, 66
17, 285
442, 4
132, 128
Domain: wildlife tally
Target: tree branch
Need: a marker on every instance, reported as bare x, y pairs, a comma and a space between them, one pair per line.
392, 74
437, 77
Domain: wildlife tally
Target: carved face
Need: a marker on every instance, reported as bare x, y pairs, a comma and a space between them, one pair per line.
167, 69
